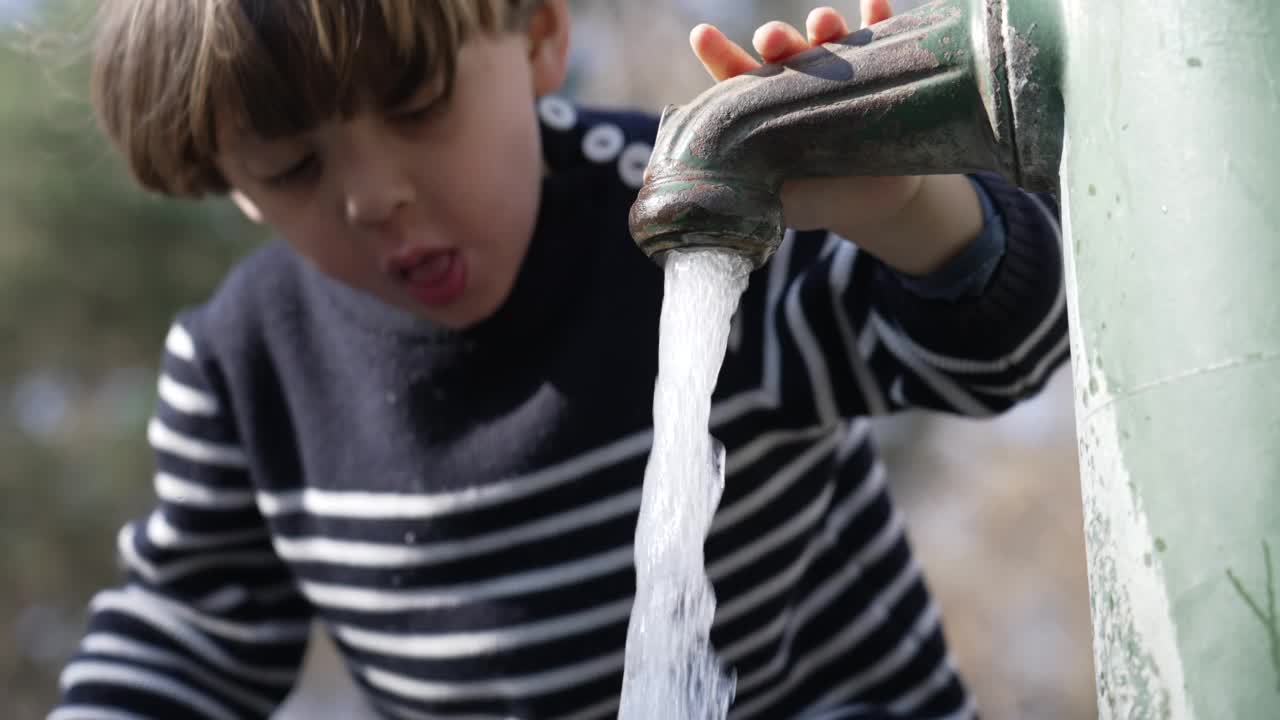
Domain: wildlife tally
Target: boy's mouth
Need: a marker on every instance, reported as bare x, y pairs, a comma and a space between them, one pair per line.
433, 277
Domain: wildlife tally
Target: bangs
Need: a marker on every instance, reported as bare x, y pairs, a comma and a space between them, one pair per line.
280, 67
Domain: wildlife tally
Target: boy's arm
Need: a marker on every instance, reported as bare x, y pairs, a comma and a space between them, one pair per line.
209, 623
979, 333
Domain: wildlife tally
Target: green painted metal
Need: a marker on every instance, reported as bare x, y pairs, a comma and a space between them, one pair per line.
1163, 118
1170, 182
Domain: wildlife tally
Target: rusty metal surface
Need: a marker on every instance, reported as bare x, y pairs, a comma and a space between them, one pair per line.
925, 92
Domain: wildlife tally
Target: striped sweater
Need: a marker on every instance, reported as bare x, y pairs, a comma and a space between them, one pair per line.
456, 509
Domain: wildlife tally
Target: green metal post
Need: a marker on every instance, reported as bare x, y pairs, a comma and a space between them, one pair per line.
1171, 186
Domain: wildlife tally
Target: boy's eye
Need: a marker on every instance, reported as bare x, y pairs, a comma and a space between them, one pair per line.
419, 113
301, 170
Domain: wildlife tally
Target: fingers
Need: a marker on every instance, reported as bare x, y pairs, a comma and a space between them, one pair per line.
722, 57
777, 41
874, 11
825, 25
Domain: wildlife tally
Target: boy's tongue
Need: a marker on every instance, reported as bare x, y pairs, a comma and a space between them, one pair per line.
431, 271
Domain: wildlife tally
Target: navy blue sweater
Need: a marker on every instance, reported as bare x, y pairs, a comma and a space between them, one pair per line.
457, 509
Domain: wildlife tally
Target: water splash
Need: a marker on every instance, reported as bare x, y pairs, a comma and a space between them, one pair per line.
671, 668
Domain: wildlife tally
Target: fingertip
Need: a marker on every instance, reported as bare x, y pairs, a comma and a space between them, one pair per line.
698, 35
777, 40
874, 11
825, 24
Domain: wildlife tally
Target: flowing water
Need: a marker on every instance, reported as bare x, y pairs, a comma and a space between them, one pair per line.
671, 669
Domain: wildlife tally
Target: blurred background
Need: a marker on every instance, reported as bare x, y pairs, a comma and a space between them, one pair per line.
92, 270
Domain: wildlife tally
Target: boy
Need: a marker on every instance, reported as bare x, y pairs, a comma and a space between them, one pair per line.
422, 417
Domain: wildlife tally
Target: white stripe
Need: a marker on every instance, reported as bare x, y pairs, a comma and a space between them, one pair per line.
91, 712
968, 712
223, 600
836, 522
102, 673
853, 633
179, 343
186, 399
811, 353
1019, 387
455, 645
775, 538
162, 534
729, 516
270, 632
170, 571
794, 616
160, 618
1002, 364
178, 491
742, 458
387, 555
946, 388
872, 552
606, 708
854, 438
867, 341
901, 654
167, 440
939, 678
425, 506
526, 686
885, 540
841, 275
368, 600
128, 649
735, 407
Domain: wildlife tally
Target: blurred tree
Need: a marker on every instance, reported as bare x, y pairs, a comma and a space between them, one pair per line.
92, 270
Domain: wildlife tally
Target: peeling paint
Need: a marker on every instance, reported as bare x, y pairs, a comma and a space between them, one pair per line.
1137, 662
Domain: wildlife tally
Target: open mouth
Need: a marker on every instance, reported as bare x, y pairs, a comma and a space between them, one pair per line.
433, 278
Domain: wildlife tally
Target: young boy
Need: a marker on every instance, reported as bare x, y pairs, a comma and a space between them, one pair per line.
422, 416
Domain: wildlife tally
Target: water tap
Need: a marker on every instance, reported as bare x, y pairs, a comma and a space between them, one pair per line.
953, 86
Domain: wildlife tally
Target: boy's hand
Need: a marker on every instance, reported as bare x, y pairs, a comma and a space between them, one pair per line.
913, 223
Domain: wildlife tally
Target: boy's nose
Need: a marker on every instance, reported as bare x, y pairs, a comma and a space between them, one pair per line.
374, 201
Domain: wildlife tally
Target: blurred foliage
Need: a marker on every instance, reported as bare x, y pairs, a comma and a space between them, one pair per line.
92, 270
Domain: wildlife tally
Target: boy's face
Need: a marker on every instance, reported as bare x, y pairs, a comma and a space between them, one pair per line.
429, 207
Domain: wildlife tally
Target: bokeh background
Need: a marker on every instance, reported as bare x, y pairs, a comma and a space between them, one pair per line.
92, 270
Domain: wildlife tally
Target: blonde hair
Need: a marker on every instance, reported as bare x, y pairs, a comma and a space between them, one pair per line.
165, 72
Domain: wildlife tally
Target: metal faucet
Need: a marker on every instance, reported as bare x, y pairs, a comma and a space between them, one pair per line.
954, 86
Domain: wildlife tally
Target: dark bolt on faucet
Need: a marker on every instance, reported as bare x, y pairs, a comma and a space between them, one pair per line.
954, 86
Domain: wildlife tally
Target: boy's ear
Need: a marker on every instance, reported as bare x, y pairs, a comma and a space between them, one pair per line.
549, 45
246, 206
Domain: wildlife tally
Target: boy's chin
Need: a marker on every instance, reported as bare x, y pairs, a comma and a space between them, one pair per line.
462, 315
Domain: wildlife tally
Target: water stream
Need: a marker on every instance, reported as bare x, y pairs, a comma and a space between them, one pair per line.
671, 669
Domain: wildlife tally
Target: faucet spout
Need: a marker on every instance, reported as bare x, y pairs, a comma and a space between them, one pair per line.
930, 91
